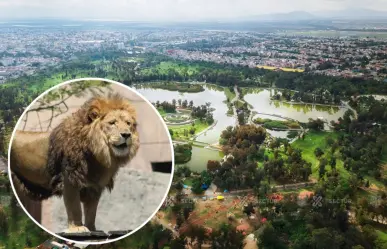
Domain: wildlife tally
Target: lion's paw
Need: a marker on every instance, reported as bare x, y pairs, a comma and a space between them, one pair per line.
77, 229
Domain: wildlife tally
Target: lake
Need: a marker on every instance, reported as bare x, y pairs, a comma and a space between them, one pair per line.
200, 157
211, 94
261, 102
259, 99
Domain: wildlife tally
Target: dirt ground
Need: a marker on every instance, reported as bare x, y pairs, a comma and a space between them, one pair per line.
212, 213
305, 194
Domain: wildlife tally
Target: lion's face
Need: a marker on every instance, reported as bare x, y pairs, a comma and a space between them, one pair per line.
119, 128
111, 126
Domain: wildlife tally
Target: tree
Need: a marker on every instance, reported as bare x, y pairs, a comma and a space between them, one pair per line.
197, 186
321, 170
3, 221
323, 238
315, 124
275, 144
179, 220
249, 209
269, 239
183, 152
318, 152
197, 233
185, 104
28, 241
333, 162
178, 243
192, 131
213, 165
160, 233
227, 237
183, 171
179, 185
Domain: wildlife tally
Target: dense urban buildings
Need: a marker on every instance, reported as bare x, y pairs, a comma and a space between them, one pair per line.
27, 48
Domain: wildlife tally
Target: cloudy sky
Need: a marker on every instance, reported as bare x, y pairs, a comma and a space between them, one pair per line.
170, 10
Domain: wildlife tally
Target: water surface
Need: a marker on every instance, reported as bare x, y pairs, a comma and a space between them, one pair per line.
211, 94
262, 103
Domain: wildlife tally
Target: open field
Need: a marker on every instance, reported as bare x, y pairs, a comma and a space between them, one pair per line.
230, 95
213, 213
239, 103
270, 124
188, 181
177, 86
382, 238
335, 33
162, 112
178, 131
285, 69
164, 67
315, 140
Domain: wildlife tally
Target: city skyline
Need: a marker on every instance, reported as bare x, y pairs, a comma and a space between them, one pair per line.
179, 10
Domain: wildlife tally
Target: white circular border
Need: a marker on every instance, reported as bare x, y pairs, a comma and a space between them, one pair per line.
9, 161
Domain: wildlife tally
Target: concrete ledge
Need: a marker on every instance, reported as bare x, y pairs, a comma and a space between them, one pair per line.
95, 235
135, 197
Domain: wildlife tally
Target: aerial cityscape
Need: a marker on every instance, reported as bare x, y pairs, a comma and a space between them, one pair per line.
278, 121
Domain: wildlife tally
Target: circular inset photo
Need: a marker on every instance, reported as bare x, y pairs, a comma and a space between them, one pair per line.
91, 161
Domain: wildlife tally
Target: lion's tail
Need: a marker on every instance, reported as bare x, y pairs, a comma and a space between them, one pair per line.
33, 191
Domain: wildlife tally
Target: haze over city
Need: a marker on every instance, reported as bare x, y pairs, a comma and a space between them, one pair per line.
277, 111
186, 10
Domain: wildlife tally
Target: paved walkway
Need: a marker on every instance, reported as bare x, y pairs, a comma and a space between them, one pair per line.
205, 130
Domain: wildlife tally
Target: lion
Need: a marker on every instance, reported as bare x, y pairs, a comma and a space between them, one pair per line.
78, 159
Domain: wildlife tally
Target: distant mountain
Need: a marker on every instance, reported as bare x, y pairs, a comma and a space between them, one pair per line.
289, 16
353, 13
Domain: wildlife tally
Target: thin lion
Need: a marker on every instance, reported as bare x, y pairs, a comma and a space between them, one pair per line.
78, 159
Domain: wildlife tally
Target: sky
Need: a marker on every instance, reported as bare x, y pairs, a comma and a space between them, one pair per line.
170, 10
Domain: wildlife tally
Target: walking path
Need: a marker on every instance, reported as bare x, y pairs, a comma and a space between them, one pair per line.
233, 105
350, 108
205, 130
197, 143
248, 191
277, 116
166, 225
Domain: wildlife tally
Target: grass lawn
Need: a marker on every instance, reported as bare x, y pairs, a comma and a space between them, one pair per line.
315, 140
22, 231
188, 181
42, 83
381, 232
162, 111
296, 191
230, 95
165, 66
375, 182
384, 164
318, 139
177, 86
178, 131
230, 110
239, 103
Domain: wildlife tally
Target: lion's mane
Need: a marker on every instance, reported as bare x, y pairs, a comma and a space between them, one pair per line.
78, 149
